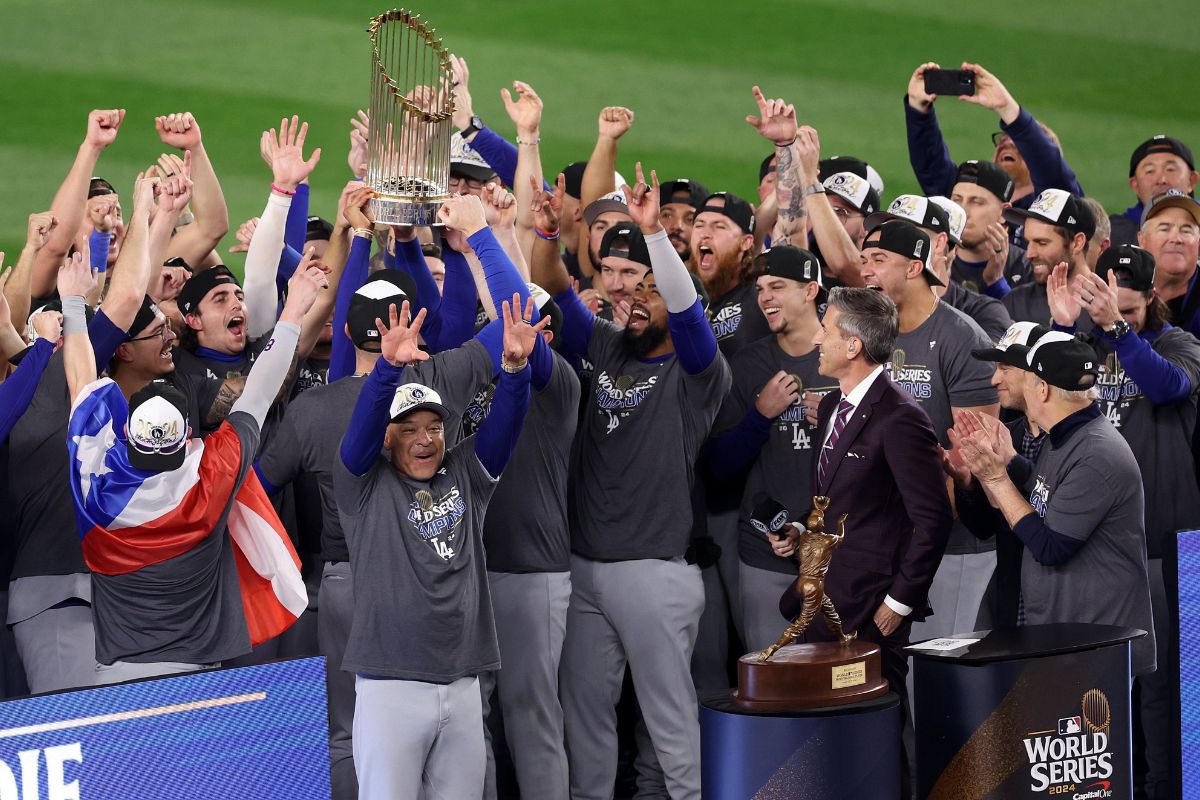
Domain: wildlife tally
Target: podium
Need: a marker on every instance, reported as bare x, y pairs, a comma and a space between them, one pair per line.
1040, 711
841, 751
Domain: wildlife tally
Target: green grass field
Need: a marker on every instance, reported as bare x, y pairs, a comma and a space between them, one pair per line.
1104, 74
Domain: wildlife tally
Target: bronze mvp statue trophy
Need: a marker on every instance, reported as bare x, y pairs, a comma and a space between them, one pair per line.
412, 100
796, 677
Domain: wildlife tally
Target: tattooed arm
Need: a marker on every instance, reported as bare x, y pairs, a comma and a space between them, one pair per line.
227, 394
839, 252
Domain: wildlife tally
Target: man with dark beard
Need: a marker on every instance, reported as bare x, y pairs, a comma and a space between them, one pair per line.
722, 244
1058, 226
656, 390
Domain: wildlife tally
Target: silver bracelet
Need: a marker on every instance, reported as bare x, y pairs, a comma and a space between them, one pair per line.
513, 369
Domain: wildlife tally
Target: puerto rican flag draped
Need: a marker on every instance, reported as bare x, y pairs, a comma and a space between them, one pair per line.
129, 518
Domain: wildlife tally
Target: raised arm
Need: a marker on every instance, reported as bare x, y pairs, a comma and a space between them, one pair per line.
526, 114
271, 368
11, 342
497, 437
131, 273
927, 150
70, 200
174, 194
465, 213
399, 347
17, 391
288, 169
195, 241
17, 289
75, 281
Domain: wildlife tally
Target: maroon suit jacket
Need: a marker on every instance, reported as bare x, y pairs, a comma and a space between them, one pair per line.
885, 472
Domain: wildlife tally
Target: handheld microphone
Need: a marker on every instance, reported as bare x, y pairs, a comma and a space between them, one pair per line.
769, 516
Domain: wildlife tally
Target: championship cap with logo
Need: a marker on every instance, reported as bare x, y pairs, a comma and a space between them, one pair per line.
918, 210
1134, 267
835, 164
1013, 347
1058, 208
683, 190
987, 175
200, 284
855, 190
1161, 143
1064, 361
1172, 198
156, 433
466, 160
955, 214
613, 201
731, 206
903, 238
373, 300
414, 397
794, 263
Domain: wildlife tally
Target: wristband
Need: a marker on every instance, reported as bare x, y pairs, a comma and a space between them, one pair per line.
816, 187
546, 234
363, 233
74, 315
282, 191
787, 144
513, 369
536, 140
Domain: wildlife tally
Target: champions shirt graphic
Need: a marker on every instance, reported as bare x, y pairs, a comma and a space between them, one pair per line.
727, 320
621, 395
1118, 392
916, 379
437, 521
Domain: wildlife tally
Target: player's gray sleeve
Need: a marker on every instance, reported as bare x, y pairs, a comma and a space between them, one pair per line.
674, 283
268, 372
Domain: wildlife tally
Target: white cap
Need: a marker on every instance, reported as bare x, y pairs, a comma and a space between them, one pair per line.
414, 397
957, 215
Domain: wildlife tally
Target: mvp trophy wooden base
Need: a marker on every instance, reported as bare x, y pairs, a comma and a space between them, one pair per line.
805, 676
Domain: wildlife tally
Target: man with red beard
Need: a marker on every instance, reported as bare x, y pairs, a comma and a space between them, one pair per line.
1024, 148
722, 243
1058, 226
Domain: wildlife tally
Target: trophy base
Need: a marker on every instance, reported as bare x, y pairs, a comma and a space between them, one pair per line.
805, 676
390, 211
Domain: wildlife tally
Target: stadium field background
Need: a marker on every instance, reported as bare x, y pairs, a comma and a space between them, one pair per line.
1104, 74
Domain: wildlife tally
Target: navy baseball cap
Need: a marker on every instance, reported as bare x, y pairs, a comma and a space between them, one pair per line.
903, 238
573, 172
987, 175
625, 240
1161, 143
682, 190
1133, 265
731, 206
373, 300
200, 284
1062, 360
317, 229
793, 263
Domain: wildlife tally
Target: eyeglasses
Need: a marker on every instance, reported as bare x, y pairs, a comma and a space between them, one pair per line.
456, 183
999, 138
843, 214
161, 333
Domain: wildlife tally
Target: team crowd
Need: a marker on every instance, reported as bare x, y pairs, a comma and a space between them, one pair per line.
509, 467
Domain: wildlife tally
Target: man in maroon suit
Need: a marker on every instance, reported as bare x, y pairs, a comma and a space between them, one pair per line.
879, 463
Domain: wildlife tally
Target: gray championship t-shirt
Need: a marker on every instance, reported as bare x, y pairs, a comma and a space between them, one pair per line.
933, 364
1089, 488
783, 469
988, 312
634, 464
422, 609
187, 608
737, 320
311, 434
525, 529
1158, 435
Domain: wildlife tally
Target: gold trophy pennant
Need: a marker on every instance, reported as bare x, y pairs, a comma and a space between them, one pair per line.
412, 102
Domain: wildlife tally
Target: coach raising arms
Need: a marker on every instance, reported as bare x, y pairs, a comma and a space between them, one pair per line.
423, 628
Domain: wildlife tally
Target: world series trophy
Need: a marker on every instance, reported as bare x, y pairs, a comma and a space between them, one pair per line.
412, 100
795, 677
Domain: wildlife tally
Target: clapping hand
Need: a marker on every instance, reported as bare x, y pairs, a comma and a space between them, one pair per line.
1098, 297
1065, 305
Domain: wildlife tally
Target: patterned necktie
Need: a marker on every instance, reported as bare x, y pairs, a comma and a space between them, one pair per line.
839, 424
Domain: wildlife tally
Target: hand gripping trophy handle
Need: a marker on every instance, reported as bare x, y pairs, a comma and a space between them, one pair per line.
815, 550
412, 103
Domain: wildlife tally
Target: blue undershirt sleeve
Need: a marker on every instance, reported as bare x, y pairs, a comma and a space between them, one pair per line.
364, 437
16, 393
1047, 546
341, 349
928, 153
578, 323
497, 436
692, 335
733, 453
1160, 380
1048, 168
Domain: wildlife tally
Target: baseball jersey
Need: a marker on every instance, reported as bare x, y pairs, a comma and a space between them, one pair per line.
634, 464
423, 611
783, 469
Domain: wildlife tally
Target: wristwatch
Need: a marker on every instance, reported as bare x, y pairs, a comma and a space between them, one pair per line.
475, 126
1118, 329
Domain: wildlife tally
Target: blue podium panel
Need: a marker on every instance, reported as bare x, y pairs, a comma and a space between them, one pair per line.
845, 752
253, 732
1037, 712
1189, 658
